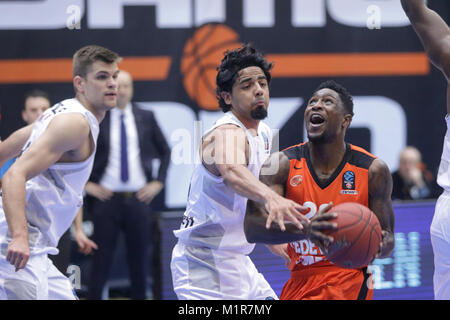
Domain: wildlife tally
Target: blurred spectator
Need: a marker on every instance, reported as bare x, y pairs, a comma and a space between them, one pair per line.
412, 181
122, 186
36, 102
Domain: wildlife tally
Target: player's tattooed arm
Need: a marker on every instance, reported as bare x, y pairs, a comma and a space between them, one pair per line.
256, 214
380, 189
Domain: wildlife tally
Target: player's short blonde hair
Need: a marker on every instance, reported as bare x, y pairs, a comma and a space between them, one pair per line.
86, 56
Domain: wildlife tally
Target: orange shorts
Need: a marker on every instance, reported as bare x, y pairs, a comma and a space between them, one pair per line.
328, 283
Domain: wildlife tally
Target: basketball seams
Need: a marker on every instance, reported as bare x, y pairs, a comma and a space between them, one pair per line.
201, 53
358, 237
204, 79
369, 233
196, 42
197, 59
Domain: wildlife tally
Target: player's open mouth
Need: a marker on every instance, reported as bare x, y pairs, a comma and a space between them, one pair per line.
316, 119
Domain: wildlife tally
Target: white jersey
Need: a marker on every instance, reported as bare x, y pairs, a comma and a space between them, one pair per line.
214, 216
443, 178
440, 226
54, 196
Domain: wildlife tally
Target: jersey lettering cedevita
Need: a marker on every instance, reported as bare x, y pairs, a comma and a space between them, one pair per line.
348, 183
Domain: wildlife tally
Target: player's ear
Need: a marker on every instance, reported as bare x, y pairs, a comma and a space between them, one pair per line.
347, 121
24, 116
226, 96
78, 84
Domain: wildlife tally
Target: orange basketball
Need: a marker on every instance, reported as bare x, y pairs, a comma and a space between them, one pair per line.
357, 238
202, 55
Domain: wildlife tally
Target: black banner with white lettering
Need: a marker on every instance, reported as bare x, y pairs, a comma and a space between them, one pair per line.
172, 47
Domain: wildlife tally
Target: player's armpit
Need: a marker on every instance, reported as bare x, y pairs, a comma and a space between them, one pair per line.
65, 133
380, 189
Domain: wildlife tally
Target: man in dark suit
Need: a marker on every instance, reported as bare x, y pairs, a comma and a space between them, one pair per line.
122, 185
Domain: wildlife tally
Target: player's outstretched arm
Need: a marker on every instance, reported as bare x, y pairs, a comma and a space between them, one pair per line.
256, 214
65, 133
226, 156
380, 189
433, 32
12, 146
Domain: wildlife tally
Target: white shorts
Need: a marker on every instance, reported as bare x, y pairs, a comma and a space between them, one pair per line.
440, 240
200, 273
39, 280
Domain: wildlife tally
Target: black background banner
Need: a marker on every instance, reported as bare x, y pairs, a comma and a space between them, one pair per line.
392, 110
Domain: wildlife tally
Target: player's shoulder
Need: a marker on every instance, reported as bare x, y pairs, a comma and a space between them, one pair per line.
66, 124
357, 149
227, 128
360, 157
296, 151
71, 103
378, 167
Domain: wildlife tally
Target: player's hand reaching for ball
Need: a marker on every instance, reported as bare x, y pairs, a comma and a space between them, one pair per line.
281, 209
18, 252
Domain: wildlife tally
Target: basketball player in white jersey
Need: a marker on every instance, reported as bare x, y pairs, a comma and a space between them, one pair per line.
42, 191
210, 260
435, 36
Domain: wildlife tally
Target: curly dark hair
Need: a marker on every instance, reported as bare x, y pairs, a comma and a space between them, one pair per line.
345, 96
234, 61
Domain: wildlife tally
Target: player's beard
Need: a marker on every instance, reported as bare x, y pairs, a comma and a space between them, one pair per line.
259, 113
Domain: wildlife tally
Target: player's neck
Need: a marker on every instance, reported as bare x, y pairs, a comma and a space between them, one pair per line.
327, 156
99, 113
248, 122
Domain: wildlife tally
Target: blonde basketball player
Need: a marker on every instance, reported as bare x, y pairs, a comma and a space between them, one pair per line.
42, 191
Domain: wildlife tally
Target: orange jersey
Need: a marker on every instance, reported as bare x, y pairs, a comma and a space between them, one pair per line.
348, 183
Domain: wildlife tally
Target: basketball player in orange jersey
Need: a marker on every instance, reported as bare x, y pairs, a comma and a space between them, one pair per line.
435, 36
316, 174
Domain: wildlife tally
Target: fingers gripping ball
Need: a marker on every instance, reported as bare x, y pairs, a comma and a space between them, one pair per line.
357, 238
